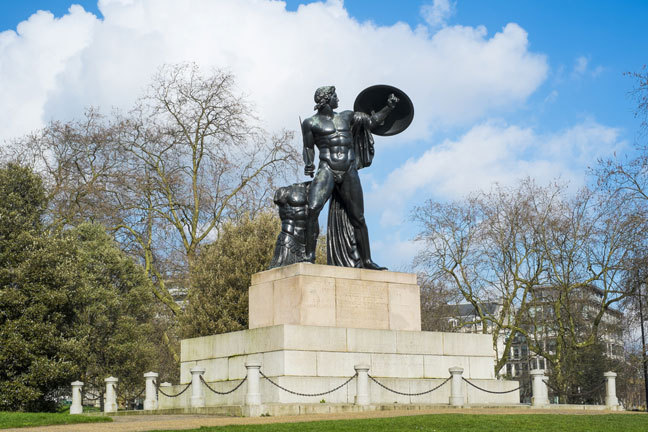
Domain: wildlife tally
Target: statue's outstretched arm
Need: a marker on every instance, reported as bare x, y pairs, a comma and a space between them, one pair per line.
377, 118
309, 148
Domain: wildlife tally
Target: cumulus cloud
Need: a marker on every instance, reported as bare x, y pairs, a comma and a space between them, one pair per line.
31, 60
437, 13
492, 152
53, 68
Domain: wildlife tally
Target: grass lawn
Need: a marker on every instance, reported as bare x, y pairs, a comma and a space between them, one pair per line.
19, 419
459, 423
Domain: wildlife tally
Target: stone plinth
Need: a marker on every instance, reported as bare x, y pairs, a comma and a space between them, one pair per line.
317, 295
311, 359
313, 327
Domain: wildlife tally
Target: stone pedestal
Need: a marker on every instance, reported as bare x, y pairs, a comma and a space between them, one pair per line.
253, 396
540, 396
76, 407
313, 327
318, 295
456, 387
150, 400
362, 385
110, 404
611, 400
197, 394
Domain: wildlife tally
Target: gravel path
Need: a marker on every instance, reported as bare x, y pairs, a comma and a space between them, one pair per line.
141, 423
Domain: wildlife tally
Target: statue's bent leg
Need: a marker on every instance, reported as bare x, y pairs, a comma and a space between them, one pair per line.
351, 194
319, 192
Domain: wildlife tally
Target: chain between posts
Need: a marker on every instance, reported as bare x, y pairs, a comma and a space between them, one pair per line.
587, 393
92, 398
409, 394
223, 393
491, 391
175, 395
308, 394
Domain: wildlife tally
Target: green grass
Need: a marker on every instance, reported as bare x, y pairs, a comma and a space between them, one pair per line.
19, 419
459, 423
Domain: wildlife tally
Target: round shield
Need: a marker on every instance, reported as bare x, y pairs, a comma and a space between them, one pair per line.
374, 98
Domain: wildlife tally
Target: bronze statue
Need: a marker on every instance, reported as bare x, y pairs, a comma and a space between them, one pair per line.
345, 145
293, 206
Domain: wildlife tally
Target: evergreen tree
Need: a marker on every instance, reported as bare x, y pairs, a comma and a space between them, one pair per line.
72, 304
39, 296
220, 279
115, 322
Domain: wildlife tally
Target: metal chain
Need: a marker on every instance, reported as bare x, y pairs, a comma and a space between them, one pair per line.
94, 398
409, 394
223, 393
587, 393
140, 393
308, 394
491, 391
176, 395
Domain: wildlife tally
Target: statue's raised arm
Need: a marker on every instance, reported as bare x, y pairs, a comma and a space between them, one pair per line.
376, 119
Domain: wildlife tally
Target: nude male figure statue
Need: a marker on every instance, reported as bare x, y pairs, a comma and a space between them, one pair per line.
333, 135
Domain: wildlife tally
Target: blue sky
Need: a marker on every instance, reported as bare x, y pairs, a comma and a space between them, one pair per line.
502, 89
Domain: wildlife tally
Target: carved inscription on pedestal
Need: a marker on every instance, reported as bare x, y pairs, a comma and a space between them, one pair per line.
361, 305
318, 301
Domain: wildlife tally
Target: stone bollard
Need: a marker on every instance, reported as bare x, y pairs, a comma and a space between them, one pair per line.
456, 393
253, 396
150, 400
197, 394
611, 400
110, 405
76, 407
539, 394
362, 385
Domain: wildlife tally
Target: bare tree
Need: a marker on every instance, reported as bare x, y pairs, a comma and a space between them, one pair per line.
166, 175
534, 250
640, 94
626, 176
437, 310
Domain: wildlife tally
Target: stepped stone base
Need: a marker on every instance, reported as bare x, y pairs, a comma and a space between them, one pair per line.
311, 324
310, 359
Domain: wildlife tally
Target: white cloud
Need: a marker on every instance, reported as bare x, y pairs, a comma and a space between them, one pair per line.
492, 152
580, 65
437, 13
31, 59
551, 97
53, 68
396, 251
